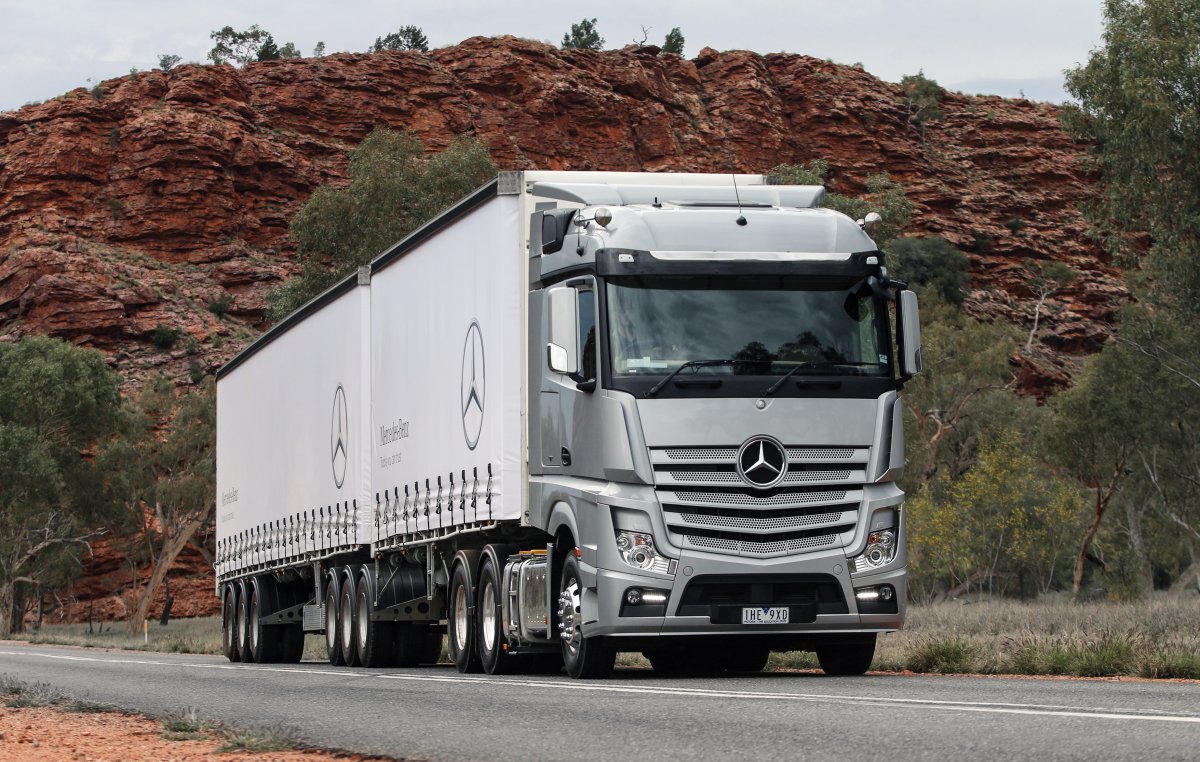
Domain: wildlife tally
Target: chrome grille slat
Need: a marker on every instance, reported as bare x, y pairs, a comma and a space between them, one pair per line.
776, 547
774, 522
734, 498
701, 478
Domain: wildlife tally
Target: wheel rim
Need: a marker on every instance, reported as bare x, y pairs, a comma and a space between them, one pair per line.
253, 621
330, 620
569, 629
241, 620
489, 616
364, 615
347, 612
460, 618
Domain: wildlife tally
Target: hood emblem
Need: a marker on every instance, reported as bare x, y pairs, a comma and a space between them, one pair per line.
762, 462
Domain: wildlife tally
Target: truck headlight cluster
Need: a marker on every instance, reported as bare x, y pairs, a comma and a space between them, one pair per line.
881, 549
637, 550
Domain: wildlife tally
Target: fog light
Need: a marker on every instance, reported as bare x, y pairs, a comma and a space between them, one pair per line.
886, 592
633, 596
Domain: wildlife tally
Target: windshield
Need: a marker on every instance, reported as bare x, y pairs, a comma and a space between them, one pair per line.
767, 325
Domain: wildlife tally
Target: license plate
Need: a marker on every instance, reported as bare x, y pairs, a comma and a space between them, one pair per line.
769, 615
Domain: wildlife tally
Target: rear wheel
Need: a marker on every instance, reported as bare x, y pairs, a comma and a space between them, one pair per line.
847, 658
347, 622
229, 616
583, 657
333, 640
374, 645
261, 641
460, 629
489, 624
243, 621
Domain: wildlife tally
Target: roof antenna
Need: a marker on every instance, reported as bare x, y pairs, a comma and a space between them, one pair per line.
741, 220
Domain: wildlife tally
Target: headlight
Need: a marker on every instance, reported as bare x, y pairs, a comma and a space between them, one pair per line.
638, 551
880, 550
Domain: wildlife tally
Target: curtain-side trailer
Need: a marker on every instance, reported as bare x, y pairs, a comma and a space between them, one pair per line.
578, 414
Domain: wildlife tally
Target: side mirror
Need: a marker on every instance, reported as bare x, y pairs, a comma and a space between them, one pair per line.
909, 316
563, 352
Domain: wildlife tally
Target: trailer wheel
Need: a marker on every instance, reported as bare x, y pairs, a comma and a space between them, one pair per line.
243, 621
460, 627
262, 643
229, 608
489, 628
847, 658
347, 621
583, 657
333, 641
374, 646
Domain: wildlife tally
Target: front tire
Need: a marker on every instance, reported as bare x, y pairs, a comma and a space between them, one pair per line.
584, 658
845, 659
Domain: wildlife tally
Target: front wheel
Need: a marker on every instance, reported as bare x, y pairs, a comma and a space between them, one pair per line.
847, 658
583, 657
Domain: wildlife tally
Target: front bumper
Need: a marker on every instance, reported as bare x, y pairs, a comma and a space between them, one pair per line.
829, 570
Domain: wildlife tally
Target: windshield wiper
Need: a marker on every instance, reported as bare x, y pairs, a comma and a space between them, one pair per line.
775, 386
692, 364
847, 364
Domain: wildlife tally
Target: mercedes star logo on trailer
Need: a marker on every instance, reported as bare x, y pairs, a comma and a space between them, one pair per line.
339, 437
472, 385
762, 462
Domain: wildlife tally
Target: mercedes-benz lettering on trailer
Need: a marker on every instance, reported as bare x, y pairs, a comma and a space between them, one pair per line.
577, 414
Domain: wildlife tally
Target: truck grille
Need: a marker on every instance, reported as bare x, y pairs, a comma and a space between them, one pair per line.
708, 506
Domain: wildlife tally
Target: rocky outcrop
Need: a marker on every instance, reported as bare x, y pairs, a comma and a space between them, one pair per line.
160, 198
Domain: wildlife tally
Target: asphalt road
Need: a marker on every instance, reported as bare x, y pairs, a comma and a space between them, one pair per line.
438, 714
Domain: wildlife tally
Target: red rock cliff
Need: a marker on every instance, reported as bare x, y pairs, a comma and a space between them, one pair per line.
165, 193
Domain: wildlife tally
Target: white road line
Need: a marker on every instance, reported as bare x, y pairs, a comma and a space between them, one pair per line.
1044, 710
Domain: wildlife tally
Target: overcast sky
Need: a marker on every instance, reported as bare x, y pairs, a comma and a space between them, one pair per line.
1003, 47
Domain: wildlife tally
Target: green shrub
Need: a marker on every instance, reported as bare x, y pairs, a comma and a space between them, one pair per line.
931, 262
221, 305
165, 336
942, 655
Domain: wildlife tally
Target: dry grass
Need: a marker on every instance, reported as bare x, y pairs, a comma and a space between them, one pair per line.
1153, 638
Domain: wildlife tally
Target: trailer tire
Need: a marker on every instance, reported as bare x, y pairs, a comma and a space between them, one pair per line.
374, 644
460, 624
333, 641
229, 606
489, 624
262, 642
243, 624
846, 659
347, 621
584, 658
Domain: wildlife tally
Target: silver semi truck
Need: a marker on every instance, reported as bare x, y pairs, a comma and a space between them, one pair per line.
574, 415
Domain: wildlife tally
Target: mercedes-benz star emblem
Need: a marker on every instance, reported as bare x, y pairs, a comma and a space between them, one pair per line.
339, 437
472, 389
762, 462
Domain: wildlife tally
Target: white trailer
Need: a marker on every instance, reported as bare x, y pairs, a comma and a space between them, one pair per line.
461, 434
